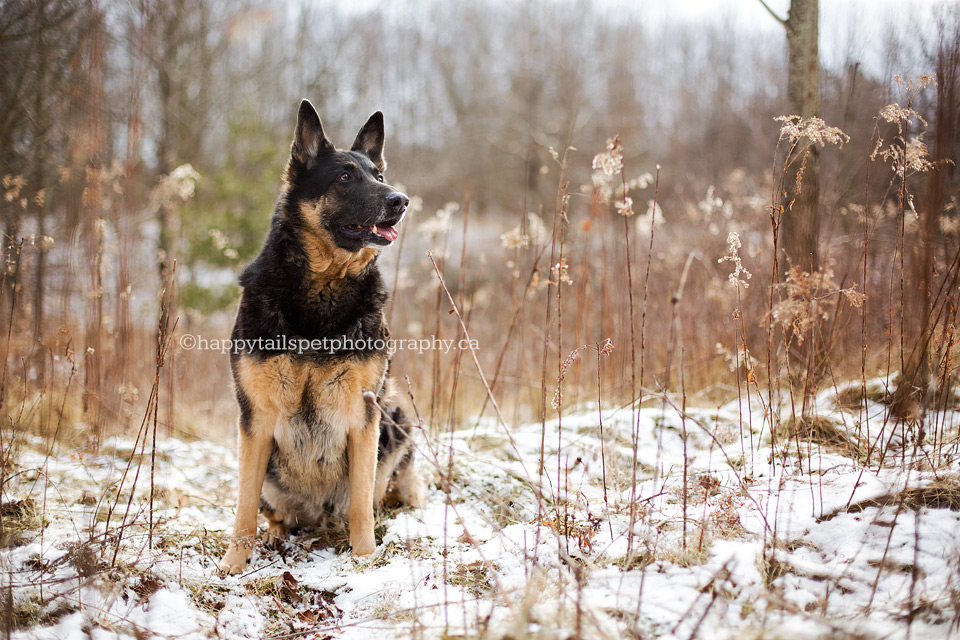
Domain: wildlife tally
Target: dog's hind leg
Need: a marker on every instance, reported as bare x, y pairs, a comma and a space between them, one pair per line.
398, 482
406, 485
277, 530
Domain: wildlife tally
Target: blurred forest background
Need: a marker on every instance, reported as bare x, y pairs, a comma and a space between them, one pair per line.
143, 144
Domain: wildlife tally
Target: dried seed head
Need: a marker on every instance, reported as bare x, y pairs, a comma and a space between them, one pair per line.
740, 275
560, 272
610, 161
625, 206
814, 129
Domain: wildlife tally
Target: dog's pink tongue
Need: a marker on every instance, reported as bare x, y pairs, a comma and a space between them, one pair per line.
390, 233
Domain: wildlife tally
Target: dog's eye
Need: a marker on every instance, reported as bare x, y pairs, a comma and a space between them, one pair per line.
380, 177
344, 177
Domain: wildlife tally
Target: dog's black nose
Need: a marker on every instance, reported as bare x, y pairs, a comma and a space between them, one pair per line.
397, 202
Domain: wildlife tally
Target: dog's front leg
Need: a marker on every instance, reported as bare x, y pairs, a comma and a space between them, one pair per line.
254, 444
362, 458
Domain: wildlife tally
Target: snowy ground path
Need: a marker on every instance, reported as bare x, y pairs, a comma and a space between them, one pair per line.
814, 544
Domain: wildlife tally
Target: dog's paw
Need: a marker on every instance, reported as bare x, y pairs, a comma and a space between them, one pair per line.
275, 534
416, 492
235, 560
363, 546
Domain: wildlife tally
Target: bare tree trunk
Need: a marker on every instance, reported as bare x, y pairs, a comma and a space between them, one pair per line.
800, 229
11, 262
174, 142
800, 224
132, 197
39, 164
92, 151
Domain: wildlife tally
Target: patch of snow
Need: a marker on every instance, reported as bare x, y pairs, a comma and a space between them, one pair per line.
722, 536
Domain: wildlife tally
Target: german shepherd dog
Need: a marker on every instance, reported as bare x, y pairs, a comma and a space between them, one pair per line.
311, 445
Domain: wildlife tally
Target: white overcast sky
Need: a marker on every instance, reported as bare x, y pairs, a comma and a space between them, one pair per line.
849, 29
842, 22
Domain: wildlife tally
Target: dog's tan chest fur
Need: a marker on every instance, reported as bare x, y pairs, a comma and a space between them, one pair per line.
316, 407
282, 385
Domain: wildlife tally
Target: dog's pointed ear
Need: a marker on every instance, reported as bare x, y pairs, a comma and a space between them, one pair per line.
369, 141
308, 141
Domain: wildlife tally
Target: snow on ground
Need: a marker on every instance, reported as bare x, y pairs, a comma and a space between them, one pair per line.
532, 531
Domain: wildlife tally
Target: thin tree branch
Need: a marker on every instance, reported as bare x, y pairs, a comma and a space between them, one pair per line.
773, 13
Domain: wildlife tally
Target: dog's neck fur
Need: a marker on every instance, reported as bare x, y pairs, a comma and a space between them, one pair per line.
324, 268
310, 292
328, 265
